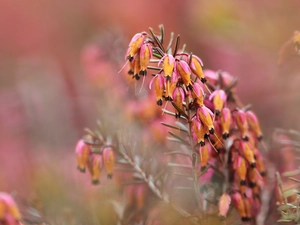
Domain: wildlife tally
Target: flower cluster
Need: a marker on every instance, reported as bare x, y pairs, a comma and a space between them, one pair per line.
207, 101
9, 212
218, 135
92, 153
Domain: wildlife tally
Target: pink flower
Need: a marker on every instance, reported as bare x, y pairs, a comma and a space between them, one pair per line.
184, 71
254, 124
134, 45
158, 88
168, 67
196, 67
219, 98
95, 167
178, 98
224, 204
9, 212
109, 160
225, 122
145, 56
205, 115
82, 152
240, 118
198, 94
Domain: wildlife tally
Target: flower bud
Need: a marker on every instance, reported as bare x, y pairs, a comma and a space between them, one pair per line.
82, 153
225, 121
134, 45
145, 56
224, 204
184, 71
196, 67
109, 160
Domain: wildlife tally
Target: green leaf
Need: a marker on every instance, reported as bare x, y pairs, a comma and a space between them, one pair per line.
171, 126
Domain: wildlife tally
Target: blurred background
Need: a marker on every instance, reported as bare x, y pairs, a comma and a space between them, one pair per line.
58, 74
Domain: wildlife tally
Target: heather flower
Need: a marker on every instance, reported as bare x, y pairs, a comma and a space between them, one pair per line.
145, 56
196, 67
225, 122
239, 205
254, 124
204, 151
109, 160
134, 45
199, 131
205, 115
224, 203
219, 98
242, 123
252, 177
247, 209
240, 167
168, 65
198, 94
96, 164
178, 98
184, 71
158, 88
246, 150
137, 67
9, 212
82, 152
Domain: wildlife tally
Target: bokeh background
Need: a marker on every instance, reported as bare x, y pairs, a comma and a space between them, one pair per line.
54, 81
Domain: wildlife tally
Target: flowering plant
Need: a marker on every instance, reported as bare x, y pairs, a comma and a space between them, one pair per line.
216, 141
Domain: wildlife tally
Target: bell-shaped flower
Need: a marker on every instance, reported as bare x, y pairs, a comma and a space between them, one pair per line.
9, 211
96, 165
247, 209
254, 124
109, 160
225, 122
178, 98
224, 203
198, 94
137, 66
145, 56
168, 65
199, 130
204, 152
134, 45
240, 118
239, 205
253, 178
158, 88
246, 150
184, 71
240, 166
82, 153
205, 115
196, 67
219, 98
